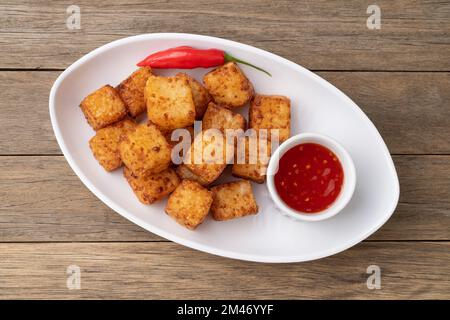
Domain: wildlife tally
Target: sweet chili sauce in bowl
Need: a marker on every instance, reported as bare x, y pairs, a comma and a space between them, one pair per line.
311, 177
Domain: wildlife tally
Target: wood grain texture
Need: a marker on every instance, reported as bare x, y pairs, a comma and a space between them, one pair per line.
49, 220
319, 34
410, 109
41, 199
24, 113
170, 271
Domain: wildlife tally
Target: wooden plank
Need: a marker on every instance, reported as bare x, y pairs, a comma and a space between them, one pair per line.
410, 109
424, 208
170, 271
319, 34
24, 115
42, 200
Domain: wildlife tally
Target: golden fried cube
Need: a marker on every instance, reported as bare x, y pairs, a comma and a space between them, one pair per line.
169, 102
186, 174
144, 150
105, 144
199, 93
222, 118
178, 139
253, 163
233, 200
103, 107
208, 155
271, 112
149, 188
131, 90
189, 204
228, 85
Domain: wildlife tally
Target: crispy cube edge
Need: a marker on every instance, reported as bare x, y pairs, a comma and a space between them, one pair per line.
253, 171
186, 174
103, 107
271, 112
168, 136
169, 102
105, 144
229, 86
145, 150
189, 204
200, 95
233, 200
152, 187
221, 118
131, 90
209, 168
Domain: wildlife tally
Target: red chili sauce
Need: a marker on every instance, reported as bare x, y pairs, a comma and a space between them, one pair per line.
309, 178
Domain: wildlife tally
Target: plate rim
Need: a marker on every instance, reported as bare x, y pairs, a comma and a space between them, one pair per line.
185, 242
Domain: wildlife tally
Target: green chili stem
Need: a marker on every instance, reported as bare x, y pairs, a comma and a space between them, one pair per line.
230, 58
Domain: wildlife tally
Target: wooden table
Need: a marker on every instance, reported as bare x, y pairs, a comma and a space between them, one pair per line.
399, 75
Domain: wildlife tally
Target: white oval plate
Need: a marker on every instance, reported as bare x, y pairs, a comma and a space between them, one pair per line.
317, 106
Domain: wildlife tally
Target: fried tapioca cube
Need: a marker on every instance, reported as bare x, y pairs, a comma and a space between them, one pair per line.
180, 141
189, 204
199, 94
222, 118
105, 144
131, 90
186, 174
208, 155
103, 107
144, 150
253, 163
233, 200
228, 85
176, 137
149, 188
169, 102
271, 112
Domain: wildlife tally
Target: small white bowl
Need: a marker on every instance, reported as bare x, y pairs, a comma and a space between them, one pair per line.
347, 165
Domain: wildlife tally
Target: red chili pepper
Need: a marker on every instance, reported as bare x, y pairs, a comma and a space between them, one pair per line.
185, 57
